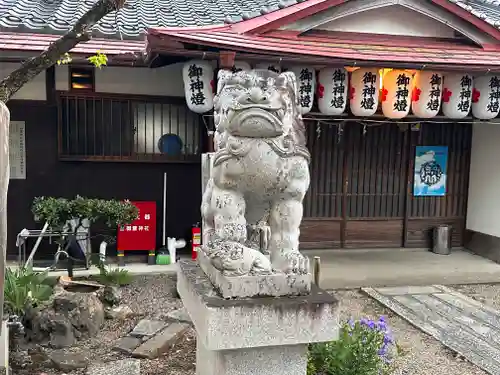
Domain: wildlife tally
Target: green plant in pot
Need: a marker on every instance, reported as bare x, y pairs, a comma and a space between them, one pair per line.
82, 212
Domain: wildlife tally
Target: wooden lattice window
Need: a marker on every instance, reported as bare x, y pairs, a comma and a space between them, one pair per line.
106, 127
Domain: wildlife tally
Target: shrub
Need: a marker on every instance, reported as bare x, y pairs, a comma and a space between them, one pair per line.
24, 288
365, 347
113, 276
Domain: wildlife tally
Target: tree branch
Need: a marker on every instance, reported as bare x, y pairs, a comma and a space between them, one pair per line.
79, 33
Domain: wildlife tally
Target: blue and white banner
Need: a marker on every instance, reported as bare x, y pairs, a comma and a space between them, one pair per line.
430, 171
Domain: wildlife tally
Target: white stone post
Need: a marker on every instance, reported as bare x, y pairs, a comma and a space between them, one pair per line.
4, 187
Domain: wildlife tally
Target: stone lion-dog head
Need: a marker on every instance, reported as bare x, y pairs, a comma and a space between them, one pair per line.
257, 104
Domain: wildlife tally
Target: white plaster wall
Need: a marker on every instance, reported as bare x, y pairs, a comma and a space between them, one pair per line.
392, 20
483, 209
164, 81
33, 90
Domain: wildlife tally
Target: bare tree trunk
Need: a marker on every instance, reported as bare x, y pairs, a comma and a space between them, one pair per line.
79, 33
28, 70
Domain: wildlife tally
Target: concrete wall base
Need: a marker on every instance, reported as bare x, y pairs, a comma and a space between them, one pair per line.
484, 245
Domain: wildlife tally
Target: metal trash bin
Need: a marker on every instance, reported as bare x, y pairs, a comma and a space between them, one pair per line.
441, 240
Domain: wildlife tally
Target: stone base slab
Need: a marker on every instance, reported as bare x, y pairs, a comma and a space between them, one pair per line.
275, 285
277, 360
223, 324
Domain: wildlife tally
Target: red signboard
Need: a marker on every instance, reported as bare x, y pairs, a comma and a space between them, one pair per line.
140, 234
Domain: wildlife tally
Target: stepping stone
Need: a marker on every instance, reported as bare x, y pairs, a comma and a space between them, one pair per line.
181, 315
148, 328
127, 344
162, 342
68, 361
124, 367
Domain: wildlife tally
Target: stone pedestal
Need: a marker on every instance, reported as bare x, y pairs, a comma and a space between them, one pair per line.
259, 335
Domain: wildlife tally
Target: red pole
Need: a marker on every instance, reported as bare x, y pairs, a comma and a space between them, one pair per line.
195, 241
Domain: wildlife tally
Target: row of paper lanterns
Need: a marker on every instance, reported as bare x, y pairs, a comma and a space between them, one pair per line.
399, 92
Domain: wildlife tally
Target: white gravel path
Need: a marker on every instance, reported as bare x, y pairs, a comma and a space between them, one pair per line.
423, 354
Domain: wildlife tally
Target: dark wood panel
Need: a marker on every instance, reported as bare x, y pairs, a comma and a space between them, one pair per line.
374, 233
321, 233
419, 232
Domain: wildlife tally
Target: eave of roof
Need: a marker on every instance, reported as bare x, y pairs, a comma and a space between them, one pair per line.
40, 42
355, 48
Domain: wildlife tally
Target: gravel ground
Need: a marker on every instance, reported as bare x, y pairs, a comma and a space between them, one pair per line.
149, 297
422, 353
153, 297
488, 294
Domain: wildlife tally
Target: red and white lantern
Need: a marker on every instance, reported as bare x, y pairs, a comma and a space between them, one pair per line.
396, 94
306, 85
199, 85
486, 97
269, 66
457, 95
427, 94
364, 91
332, 90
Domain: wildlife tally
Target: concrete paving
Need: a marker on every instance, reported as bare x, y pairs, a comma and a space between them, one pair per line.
398, 267
468, 327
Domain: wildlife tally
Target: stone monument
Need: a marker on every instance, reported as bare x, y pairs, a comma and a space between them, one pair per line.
254, 313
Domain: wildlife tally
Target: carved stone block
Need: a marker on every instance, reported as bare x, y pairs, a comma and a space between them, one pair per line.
274, 285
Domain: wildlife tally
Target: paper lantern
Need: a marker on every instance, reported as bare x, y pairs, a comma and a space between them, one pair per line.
272, 67
486, 97
199, 85
396, 94
332, 90
427, 94
306, 83
457, 95
241, 65
364, 91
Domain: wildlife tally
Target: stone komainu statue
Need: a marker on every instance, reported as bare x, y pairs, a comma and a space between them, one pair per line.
260, 170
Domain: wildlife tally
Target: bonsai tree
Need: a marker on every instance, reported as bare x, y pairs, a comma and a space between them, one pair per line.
59, 212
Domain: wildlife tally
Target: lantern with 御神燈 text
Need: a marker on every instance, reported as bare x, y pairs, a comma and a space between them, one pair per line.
396, 94
457, 95
332, 90
426, 94
199, 85
364, 91
486, 97
306, 83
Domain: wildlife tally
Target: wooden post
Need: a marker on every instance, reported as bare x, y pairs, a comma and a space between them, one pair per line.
317, 270
226, 59
4, 187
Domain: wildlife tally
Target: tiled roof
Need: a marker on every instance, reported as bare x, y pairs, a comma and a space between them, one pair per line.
488, 10
56, 16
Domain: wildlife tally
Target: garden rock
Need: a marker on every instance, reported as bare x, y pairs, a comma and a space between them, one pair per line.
162, 342
66, 319
127, 344
110, 295
120, 313
68, 361
180, 315
148, 328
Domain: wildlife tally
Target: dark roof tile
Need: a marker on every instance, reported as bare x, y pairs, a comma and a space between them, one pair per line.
56, 16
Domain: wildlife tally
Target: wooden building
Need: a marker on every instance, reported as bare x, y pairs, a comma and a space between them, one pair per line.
103, 135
